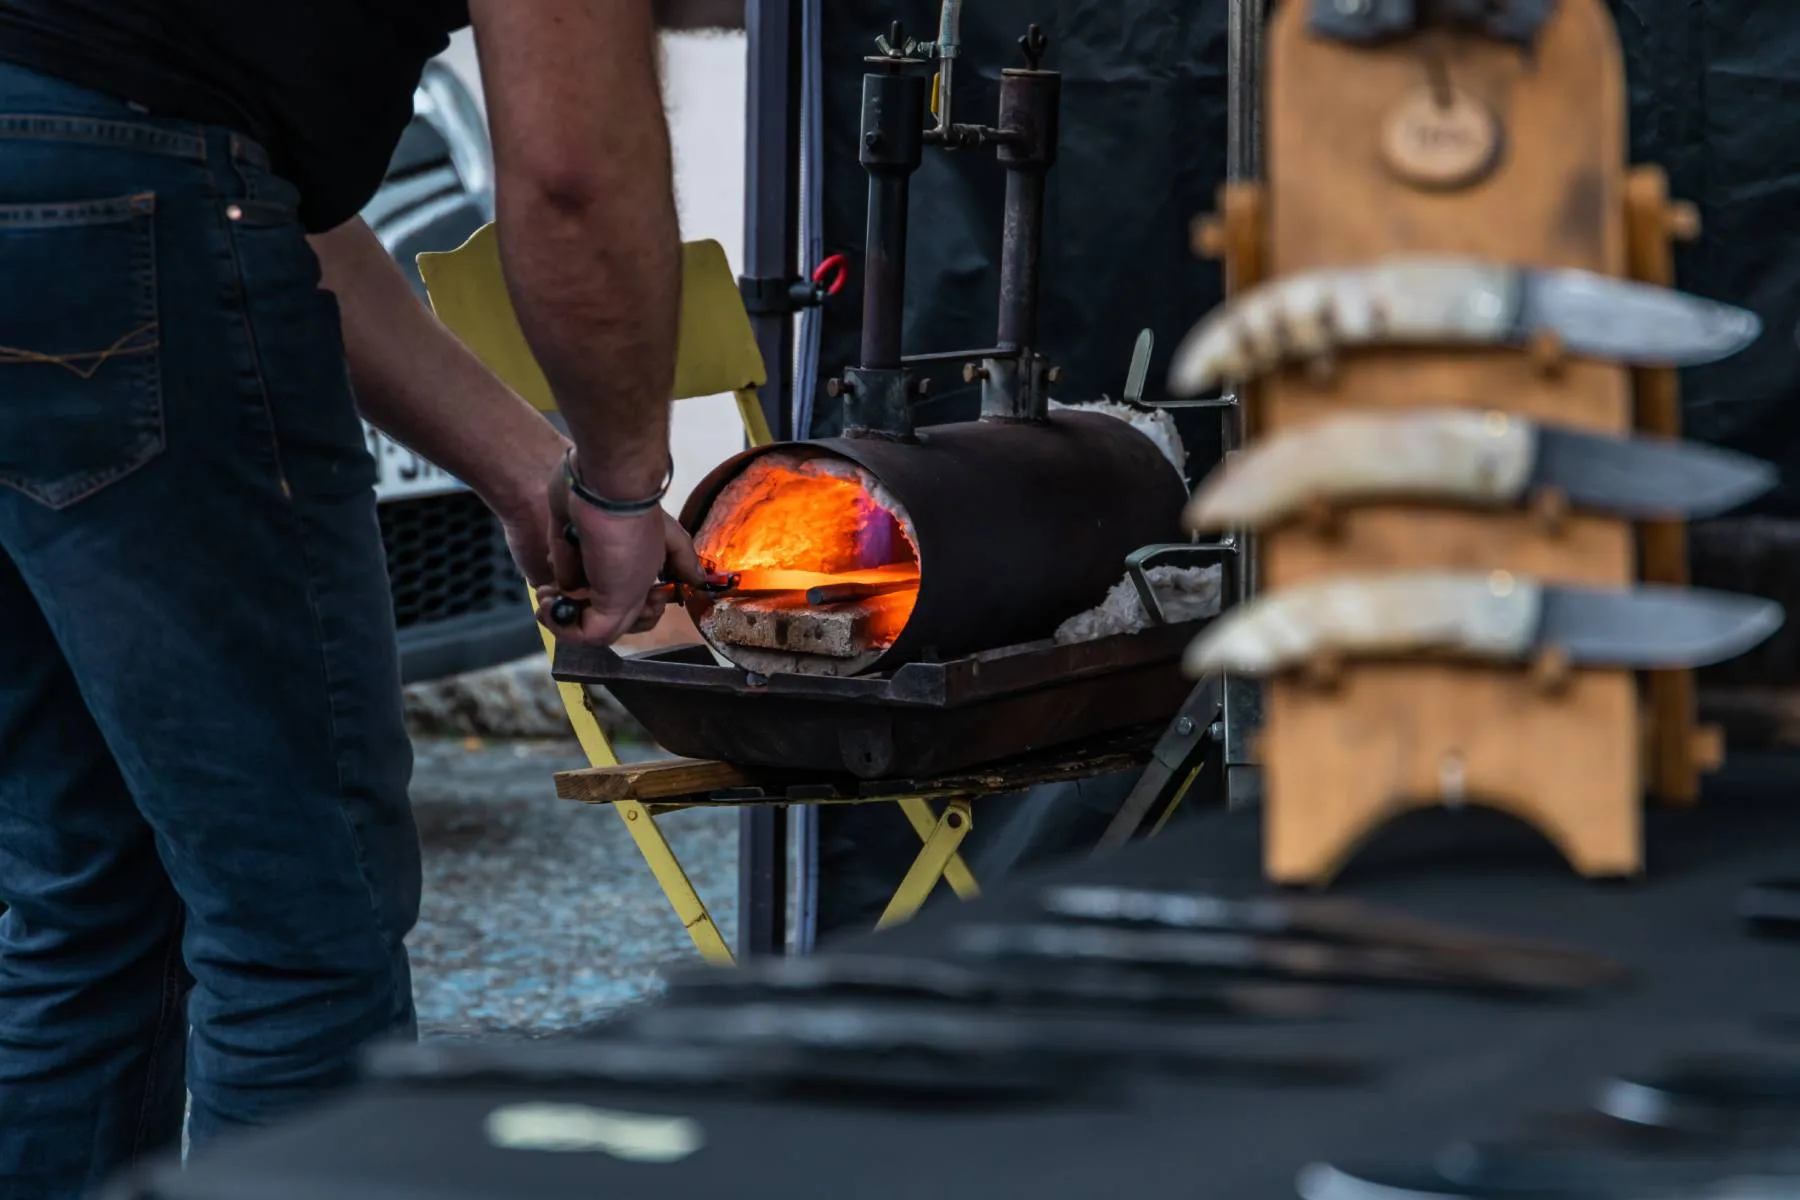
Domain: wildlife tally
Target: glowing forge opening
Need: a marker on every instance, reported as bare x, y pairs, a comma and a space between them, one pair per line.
789, 523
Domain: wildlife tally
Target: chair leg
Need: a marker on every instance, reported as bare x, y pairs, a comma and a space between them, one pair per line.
658, 855
933, 862
756, 425
925, 822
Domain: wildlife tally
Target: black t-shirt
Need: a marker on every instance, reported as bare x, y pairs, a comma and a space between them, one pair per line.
325, 85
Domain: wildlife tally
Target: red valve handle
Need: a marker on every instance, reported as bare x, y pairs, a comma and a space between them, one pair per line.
838, 267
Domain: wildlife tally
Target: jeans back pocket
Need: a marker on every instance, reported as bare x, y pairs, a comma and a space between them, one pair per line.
80, 378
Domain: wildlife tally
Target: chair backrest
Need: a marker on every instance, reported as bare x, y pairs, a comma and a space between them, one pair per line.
717, 351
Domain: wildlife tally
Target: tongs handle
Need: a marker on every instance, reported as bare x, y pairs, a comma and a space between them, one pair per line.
566, 611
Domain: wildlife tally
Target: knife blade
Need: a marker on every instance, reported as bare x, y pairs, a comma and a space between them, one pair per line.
1324, 1181
1328, 919
1484, 459
1252, 956
867, 975
1079, 1042
643, 1064
1497, 618
1416, 300
1534, 1168
1139, 372
1707, 1092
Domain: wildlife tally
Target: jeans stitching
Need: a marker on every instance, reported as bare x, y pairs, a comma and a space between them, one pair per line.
312, 602
152, 441
103, 132
168, 1010
79, 212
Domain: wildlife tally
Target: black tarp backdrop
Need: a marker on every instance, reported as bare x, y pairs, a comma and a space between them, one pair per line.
1715, 99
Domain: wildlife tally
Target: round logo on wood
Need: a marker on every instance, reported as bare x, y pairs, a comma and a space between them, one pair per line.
1434, 140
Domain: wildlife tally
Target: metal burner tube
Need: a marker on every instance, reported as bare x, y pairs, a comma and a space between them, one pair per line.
1021, 248
884, 271
879, 390
1029, 104
1019, 525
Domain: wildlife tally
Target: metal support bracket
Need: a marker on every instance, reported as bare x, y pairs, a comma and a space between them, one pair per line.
1242, 719
1191, 743
780, 297
1141, 562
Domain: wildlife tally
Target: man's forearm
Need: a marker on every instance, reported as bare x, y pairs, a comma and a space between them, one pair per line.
588, 232
415, 381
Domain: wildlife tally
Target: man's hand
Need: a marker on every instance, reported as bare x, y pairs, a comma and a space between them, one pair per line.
612, 565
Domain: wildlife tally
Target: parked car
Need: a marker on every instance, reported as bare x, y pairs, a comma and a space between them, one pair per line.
459, 601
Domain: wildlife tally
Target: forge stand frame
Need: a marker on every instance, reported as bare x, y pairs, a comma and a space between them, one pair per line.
773, 286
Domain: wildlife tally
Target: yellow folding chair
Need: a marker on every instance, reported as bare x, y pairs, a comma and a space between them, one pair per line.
717, 355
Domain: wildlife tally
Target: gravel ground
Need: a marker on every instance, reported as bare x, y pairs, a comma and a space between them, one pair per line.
539, 914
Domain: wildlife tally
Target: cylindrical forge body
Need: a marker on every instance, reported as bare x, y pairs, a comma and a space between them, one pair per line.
1017, 526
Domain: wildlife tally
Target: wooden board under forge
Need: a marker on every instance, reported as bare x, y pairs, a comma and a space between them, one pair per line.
1340, 760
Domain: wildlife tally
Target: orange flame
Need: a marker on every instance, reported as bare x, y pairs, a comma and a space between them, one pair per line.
780, 516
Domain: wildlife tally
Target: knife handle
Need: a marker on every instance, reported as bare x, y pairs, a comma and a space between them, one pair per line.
1474, 457
1408, 300
1483, 617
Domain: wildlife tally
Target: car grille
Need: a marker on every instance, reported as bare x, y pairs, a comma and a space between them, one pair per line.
447, 557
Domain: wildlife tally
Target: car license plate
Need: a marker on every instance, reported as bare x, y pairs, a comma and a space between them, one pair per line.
403, 474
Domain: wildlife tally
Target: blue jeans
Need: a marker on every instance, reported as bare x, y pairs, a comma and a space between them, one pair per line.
206, 850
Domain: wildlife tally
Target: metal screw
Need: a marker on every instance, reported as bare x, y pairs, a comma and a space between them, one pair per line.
1184, 726
873, 139
1034, 43
834, 388
894, 43
1216, 731
974, 372
923, 387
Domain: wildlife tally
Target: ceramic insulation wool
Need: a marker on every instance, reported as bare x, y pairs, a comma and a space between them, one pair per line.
1154, 424
1186, 593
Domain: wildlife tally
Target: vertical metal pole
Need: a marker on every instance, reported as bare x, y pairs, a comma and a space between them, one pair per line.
771, 250
1243, 162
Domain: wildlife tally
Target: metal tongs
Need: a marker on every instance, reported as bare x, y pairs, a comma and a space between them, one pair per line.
567, 609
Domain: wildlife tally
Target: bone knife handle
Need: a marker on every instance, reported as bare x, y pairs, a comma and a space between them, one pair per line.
1483, 617
1408, 300
1476, 457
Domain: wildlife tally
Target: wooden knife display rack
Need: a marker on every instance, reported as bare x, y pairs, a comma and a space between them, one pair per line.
1344, 748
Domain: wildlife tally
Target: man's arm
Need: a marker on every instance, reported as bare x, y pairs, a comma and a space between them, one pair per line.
416, 381
591, 250
589, 240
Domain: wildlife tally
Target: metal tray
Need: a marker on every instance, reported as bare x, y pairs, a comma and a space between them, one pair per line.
923, 719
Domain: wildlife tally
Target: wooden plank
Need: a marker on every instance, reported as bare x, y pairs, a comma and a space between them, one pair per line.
648, 781
1674, 773
693, 783
1341, 760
